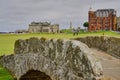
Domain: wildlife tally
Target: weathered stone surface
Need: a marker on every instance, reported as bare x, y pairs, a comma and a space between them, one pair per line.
59, 59
108, 44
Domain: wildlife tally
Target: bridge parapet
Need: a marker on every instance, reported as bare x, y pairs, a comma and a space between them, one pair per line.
110, 45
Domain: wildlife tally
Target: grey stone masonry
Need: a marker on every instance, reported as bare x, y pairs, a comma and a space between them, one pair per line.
59, 59
37, 27
110, 45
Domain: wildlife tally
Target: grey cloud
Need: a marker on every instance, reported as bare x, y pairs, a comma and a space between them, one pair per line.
18, 14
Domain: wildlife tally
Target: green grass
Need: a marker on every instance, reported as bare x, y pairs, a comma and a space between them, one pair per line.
7, 42
4, 74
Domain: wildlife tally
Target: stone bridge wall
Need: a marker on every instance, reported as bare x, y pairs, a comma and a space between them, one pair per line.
60, 59
108, 44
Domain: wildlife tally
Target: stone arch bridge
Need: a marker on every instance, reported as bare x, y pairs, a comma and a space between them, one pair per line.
52, 59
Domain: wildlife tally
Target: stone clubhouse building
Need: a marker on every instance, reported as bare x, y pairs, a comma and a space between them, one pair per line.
36, 27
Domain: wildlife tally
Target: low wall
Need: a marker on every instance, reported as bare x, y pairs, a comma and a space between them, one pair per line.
59, 59
110, 45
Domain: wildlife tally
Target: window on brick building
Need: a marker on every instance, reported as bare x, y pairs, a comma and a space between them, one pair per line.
107, 13
97, 14
104, 14
100, 14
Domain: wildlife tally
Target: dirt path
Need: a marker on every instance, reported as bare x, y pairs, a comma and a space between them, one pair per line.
110, 64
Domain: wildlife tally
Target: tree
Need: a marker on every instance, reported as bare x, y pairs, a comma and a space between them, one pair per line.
86, 24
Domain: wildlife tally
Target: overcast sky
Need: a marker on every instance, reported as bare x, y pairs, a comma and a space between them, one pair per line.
18, 14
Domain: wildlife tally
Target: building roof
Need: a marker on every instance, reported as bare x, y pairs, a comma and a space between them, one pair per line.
40, 23
105, 10
108, 10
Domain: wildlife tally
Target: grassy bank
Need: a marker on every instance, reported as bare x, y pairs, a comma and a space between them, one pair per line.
7, 40
4, 74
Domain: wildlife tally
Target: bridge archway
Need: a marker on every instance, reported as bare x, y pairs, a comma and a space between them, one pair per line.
35, 75
60, 59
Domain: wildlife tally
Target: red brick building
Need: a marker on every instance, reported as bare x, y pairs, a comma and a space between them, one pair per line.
102, 19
